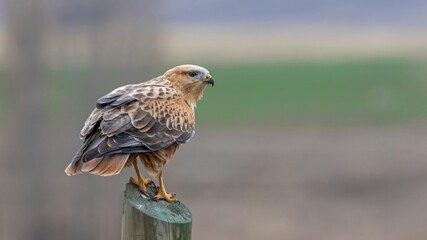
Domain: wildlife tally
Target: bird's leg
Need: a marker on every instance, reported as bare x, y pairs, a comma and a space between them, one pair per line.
162, 194
141, 181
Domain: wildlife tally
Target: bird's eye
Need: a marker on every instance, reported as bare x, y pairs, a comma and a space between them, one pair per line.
192, 73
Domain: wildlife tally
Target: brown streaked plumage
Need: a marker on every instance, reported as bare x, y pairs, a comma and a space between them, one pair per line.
148, 121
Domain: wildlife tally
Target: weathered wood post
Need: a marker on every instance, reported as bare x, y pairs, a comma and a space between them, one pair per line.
145, 219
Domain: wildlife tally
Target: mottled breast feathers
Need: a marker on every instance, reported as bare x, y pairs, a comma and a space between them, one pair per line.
138, 118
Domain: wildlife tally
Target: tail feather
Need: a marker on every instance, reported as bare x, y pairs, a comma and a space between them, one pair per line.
111, 165
104, 166
71, 169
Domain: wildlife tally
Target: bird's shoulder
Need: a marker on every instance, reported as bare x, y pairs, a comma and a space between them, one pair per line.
155, 88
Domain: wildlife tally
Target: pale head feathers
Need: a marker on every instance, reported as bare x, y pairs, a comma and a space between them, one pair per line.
186, 68
190, 80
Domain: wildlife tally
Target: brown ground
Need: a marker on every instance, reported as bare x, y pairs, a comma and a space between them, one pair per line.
313, 183
308, 184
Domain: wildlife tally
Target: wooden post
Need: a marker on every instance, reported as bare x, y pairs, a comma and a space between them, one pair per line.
145, 219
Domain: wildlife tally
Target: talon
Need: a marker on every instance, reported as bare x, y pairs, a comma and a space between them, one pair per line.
169, 197
155, 198
152, 183
166, 197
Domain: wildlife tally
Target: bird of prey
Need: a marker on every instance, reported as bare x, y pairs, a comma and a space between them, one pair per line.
146, 121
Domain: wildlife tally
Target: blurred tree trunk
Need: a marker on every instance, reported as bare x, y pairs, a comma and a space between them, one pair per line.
122, 42
25, 89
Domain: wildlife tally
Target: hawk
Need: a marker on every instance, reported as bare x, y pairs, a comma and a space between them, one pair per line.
146, 121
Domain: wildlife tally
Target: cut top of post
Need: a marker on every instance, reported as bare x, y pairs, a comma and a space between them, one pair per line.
161, 210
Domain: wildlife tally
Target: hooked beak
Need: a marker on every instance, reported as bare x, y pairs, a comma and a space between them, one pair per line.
210, 81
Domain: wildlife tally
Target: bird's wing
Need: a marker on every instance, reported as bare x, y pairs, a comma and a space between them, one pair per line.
137, 118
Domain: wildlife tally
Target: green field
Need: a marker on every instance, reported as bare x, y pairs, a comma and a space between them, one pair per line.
347, 91
336, 91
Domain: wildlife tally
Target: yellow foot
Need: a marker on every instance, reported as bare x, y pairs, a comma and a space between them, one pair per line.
141, 183
166, 196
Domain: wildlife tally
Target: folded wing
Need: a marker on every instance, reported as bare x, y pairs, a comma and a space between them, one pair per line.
135, 118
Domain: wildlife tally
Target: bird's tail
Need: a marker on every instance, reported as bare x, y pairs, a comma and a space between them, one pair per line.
104, 165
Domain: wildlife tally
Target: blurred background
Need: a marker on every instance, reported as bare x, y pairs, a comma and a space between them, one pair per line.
316, 127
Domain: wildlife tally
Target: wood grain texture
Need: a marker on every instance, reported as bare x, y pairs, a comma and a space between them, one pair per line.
145, 219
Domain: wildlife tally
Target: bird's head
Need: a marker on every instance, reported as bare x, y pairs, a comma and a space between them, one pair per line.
190, 74
191, 80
